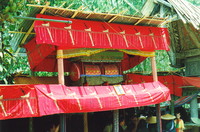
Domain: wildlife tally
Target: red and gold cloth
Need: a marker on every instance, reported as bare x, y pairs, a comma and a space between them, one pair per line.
95, 34
21, 101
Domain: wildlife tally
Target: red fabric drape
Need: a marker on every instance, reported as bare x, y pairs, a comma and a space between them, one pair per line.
99, 35
130, 61
43, 58
191, 81
172, 82
20, 101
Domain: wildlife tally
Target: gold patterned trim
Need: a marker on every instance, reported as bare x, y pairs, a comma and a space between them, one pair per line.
70, 53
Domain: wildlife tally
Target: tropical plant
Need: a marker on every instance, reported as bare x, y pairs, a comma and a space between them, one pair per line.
8, 10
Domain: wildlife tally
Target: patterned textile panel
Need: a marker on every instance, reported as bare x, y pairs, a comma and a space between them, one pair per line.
111, 69
92, 70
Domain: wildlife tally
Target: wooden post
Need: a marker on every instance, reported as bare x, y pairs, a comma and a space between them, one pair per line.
172, 105
155, 78
116, 121
31, 124
31, 118
1, 124
61, 80
61, 77
62, 122
85, 121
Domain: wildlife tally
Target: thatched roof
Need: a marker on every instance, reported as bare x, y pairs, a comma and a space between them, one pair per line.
188, 12
25, 32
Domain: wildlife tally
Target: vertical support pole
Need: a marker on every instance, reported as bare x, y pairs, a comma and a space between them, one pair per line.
61, 80
172, 105
155, 78
62, 122
30, 124
61, 77
85, 121
154, 69
1, 124
116, 120
194, 108
194, 112
31, 118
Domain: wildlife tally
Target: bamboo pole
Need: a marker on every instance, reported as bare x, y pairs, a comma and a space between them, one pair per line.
77, 11
19, 32
119, 14
69, 11
158, 111
109, 12
42, 19
61, 80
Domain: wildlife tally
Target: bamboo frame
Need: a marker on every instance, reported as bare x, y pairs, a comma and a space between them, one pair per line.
19, 32
61, 6
109, 12
101, 14
91, 13
139, 21
67, 8
77, 11
119, 14
31, 28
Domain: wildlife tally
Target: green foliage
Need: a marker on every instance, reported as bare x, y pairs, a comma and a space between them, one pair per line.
8, 9
162, 61
195, 2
